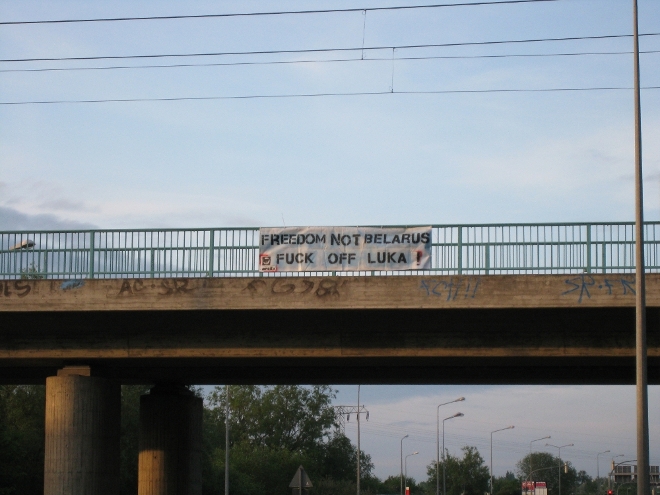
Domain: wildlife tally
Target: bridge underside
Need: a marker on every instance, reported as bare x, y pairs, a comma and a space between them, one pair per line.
574, 345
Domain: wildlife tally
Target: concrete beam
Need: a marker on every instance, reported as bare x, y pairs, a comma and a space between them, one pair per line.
514, 329
402, 292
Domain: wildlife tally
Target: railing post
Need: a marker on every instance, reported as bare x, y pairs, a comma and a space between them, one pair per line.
91, 253
604, 255
460, 250
211, 252
487, 256
589, 248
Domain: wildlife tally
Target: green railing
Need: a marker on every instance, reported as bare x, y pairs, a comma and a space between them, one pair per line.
233, 252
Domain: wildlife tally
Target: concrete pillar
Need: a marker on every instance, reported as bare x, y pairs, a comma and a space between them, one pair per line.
82, 434
170, 460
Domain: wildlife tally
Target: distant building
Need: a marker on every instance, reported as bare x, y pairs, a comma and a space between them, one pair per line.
627, 474
534, 488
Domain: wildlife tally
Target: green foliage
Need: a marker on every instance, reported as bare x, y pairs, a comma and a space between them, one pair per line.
464, 476
273, 430
391, 485
22, 418
284, 416
31, 272
546, 467
508, 484
586, 485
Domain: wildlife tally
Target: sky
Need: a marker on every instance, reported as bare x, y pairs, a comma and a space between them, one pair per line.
593, 418
404, 155
336, 160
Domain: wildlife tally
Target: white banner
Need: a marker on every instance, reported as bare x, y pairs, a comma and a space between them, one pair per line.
325, 249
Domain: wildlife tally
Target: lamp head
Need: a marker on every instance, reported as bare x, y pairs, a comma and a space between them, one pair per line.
459, 415
460, 399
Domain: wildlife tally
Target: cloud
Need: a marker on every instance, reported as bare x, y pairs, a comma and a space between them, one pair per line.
12, 219
66, 205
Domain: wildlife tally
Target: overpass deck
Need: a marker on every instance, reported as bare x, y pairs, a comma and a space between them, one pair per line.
550, 303
399, 329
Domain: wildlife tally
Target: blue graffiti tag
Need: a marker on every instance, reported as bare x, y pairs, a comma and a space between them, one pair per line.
585, 285
72, 284
585, 281
451, 289
628, 286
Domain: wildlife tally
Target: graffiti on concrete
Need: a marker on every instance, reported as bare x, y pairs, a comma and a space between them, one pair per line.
452, 289
585, 285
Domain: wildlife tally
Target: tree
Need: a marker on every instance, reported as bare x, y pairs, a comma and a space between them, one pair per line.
586, 485
507, 485
546, 467
273, 430
464, 476
392, 485
22, 420
284, 416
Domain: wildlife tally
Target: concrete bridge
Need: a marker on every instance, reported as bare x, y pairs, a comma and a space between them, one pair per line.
558, 310
397, 329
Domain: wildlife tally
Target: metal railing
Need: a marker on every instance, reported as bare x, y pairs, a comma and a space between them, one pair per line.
233, 252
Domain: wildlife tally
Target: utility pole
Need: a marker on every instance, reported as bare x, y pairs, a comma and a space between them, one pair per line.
643, 480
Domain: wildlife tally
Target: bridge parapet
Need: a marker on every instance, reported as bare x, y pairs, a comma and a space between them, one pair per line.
484, 249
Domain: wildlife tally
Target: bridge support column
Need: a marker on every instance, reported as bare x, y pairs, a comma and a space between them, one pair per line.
170, 460
82, 434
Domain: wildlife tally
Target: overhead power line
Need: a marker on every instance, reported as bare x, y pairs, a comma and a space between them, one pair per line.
278, 13
317, 95
324, 50
319, 61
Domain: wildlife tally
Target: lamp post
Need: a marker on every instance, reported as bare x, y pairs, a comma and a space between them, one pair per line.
491, 454
226, 439
444, 488
402, 438
559, 448
405, 466
437, 445
530, 450
609, 478
598, 463
358, 441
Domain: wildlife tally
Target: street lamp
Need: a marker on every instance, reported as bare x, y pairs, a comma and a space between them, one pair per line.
457, 415
609, 478
559, 448
491, 454
227, 411
402, 438
530, 451
405, 466
598, 463
437, 444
